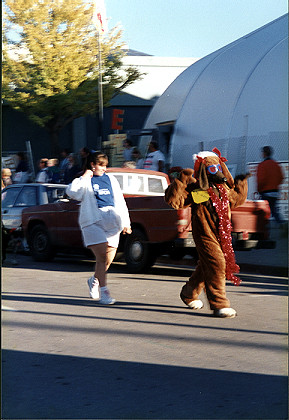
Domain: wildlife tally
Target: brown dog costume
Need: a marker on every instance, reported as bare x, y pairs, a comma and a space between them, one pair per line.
211, 192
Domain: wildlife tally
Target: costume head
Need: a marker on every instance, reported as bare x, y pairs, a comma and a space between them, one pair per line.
211, 167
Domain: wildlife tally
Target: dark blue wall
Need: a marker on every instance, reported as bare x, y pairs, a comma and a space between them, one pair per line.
17, 129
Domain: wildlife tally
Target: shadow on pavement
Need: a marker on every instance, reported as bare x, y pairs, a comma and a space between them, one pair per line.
167, 266
46, 386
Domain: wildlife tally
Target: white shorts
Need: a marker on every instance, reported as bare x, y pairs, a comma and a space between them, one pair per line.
106, 230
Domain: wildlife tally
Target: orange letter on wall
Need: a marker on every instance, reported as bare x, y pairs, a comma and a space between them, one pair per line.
116, 119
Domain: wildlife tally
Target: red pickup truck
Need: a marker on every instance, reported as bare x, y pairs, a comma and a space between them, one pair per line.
157, 229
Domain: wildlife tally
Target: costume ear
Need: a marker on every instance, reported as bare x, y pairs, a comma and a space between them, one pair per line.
227, 174
203, 178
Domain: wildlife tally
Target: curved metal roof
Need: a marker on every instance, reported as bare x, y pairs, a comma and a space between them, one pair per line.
234, 99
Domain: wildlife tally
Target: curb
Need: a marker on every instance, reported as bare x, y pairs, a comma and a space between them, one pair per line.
263, 269
245, 268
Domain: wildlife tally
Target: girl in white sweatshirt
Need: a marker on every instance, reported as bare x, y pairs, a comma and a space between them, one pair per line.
103, 216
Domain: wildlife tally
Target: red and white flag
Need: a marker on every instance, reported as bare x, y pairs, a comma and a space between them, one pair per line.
99, 16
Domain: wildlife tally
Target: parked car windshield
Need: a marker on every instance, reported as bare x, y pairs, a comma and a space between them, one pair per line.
27, 197
9, 196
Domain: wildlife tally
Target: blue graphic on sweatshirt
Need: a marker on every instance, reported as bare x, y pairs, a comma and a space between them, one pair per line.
102, 188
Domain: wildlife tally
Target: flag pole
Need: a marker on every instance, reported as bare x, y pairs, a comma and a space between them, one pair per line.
100, 95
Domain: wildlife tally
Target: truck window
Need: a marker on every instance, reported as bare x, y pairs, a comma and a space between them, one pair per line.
135, 184
155, 185
54, 194
120, 180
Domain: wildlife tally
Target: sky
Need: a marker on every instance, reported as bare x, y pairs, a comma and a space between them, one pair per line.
188, 28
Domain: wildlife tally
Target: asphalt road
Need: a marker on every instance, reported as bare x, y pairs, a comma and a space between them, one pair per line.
147, 356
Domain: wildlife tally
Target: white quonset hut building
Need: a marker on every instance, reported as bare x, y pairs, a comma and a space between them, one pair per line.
235, 99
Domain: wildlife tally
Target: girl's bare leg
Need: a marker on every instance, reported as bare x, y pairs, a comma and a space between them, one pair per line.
100, 251
110, 254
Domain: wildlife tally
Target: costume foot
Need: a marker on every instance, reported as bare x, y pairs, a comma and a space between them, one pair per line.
225, 313
193, 304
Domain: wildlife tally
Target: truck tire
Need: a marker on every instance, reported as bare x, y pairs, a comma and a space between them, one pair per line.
138, 254
40, 244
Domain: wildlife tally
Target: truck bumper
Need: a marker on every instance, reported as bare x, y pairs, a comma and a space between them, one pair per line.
184, 242
243, 245
238, 244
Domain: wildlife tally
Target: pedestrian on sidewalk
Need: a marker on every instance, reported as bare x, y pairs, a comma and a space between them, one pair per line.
6, 177
127, 151
137, 157
72, 169
103, 216
269, 178
43, 175
154, 159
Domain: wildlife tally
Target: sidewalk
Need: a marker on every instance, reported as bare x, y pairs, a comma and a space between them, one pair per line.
267, 261
272, 262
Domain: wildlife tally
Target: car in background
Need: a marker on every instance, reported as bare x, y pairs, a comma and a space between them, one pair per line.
53, 228
157, 228
17, 197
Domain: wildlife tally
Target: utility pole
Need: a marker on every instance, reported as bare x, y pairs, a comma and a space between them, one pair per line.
100, 97
99, 20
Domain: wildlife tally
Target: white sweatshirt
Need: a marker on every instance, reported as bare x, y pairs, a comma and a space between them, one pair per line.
81, 190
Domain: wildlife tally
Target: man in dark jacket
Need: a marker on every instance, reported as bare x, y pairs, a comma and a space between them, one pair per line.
269, 178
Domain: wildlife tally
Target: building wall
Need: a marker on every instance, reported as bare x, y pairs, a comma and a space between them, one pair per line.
235, 99
134, 105
159, 73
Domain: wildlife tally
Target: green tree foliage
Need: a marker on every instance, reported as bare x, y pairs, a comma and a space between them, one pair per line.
51, 63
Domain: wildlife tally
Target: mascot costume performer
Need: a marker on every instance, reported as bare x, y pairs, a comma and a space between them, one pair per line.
211, 192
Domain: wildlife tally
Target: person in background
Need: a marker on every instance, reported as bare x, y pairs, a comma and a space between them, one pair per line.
21, 174
54, 172
269, 178
5, 180
129, 164
137, 157
103, 216
63, 163
22, 162
84, 152
6, 177
155, 159
72, 169
43, 173
127, 152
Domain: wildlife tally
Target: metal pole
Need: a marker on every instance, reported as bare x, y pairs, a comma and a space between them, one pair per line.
31, 164
244, 144
100, 96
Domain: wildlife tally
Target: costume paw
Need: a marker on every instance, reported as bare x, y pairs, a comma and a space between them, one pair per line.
195, 304
225, 313
242, 177
186, 176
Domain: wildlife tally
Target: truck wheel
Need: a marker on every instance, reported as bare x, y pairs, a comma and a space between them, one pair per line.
138, 254
40, 244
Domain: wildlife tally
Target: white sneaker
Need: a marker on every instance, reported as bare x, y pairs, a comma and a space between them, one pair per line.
93, 287
195, 304
225, 313
105, 298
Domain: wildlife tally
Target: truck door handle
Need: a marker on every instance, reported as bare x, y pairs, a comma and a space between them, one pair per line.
5, 211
